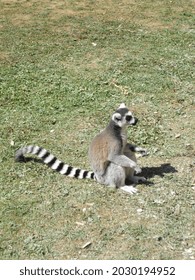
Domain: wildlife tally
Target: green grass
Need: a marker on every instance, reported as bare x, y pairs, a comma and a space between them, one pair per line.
65, 67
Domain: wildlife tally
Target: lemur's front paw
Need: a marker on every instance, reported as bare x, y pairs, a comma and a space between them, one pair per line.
138, 169
137, 149
144, 152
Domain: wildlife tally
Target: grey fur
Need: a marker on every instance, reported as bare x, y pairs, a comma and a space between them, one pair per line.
111, 158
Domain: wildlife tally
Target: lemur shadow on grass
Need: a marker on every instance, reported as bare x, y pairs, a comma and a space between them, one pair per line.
150, 172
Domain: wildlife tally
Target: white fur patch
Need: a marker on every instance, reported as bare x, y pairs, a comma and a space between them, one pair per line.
42, 153
35, 150
72, 173
89, 175
49, 159
81, 174
129, 189
64, 169
56, 164
122, 106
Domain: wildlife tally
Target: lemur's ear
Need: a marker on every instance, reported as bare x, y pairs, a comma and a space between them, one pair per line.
122, 106
116, 117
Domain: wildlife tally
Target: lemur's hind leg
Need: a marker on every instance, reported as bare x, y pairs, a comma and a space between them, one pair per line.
115, 177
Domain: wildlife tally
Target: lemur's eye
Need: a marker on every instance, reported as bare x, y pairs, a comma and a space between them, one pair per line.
128, 118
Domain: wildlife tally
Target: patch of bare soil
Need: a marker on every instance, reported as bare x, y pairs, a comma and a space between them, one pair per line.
4, 56
137, 12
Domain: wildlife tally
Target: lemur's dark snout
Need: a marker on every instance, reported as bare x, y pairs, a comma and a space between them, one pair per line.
135, 121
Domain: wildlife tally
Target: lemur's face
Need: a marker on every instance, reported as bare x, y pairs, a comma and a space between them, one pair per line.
123, 117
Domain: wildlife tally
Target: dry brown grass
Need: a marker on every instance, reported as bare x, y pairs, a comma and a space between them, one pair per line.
135, 12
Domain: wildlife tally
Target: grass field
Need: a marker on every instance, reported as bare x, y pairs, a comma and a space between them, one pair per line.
65, 67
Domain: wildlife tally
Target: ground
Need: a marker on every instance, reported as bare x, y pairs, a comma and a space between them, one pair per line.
65, 67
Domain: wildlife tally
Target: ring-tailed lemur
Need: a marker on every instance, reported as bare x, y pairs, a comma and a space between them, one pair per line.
112, 159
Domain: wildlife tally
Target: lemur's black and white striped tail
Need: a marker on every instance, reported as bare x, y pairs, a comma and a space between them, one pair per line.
53, 162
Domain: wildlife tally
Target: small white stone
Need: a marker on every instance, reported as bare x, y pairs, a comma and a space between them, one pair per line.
139, 211
12, 143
